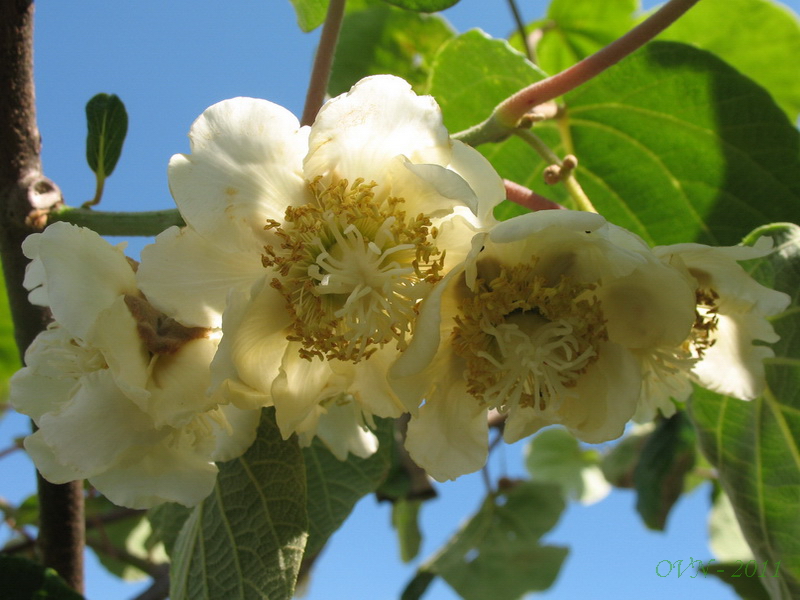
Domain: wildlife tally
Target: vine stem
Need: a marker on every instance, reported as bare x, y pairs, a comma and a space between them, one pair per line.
323, 61
25, 191
510, 114
149, 223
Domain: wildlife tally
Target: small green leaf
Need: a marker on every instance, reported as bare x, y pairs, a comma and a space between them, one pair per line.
246, 540
423, 5
554, 456
619, 463
405, 514
497, 554
384, 39
667, 456
9, 355
334, 486
759, 51
107, 122
21, 579
755, 445
310, 13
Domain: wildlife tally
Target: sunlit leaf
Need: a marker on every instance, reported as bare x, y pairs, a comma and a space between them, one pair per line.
310, 13
405, 520
574, 29
246, 540
754, 445
555, 456
107, 123
667, 456
21, 579
334, 486
672, 143
384, 39
725, 537
755, 36
497, 554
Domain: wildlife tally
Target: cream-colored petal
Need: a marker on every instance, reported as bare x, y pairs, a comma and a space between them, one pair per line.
245, 167
449, 436
238, 433
90, 432
46, 461
358, 133
254, 338
479, 173
151, 475
734, 365
370, 385
342, 430
83, 274
433, 189
179, 384
188, 278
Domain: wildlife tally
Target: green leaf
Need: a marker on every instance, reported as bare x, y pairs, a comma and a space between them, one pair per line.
405, 520
9, 355
554, 456
754, 445
246, 540
166, 521
755, 36
423, 5
667, 456
21, 579
107, 122
334, 486
672, 143
574, 29
725, 537
733, 573
384, 39
497, 554
619, 463
310, 13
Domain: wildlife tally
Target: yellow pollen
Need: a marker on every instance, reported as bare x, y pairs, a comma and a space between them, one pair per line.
526, 341
706, 320
352, 269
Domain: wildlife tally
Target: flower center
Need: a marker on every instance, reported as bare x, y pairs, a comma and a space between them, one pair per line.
525, 341
706, 319
352, 270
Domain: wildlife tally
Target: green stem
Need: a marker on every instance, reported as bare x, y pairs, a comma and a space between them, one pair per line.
323, 61
148, 223
510, 114
568, 179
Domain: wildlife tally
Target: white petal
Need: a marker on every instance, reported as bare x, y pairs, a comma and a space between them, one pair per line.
341, 428
100, 422
238, 435
437, 190
481, 177
45, 460
449, 436
189, 279
358, 133
245, 168
151, 475
369, 384
83, 274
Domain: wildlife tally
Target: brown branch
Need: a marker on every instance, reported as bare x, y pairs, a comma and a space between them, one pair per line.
323, 61
25, 195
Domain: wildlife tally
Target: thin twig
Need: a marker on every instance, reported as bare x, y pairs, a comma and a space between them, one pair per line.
520, 24
323, 61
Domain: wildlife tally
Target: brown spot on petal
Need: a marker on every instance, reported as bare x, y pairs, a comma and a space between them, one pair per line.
161, 334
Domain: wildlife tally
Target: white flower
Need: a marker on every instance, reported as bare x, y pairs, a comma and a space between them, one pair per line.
732, 312
117, 389
545, 322
317, 245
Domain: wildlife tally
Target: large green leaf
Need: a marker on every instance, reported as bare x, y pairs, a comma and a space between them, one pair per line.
423, 5
246, 540
497, 554
310, 13
761, 38
574, 29
672, 143
334, 486
384, 39
666, 458
166, 521
755, 446
9, 355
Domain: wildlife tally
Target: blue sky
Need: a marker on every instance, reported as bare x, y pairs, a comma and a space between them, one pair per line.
170, 60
